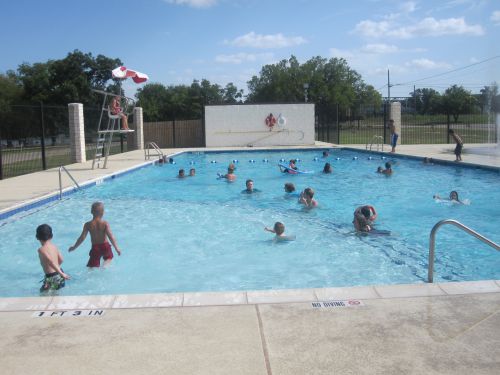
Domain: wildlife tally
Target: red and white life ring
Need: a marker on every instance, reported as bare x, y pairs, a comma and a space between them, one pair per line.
270, 121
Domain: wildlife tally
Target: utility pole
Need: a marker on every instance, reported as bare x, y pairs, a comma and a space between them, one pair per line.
388, 87
415, 99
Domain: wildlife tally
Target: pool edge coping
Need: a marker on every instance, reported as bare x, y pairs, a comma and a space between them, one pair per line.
245, 298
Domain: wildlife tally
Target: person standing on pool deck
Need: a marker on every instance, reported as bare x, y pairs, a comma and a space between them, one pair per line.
394, 135
460, 144
99, 231
51, 260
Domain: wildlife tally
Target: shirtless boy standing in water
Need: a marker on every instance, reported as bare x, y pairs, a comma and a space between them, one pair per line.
50, 259
99, 230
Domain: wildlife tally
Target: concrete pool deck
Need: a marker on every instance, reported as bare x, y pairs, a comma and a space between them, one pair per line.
445, 328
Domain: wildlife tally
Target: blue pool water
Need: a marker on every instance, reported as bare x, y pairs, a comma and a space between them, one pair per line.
202, 234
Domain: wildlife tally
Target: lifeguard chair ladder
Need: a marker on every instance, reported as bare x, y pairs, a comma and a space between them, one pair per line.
105, 134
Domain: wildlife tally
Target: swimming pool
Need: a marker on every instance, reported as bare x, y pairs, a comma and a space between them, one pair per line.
202, 234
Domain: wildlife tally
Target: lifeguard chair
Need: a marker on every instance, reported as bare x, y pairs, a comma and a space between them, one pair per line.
113, 126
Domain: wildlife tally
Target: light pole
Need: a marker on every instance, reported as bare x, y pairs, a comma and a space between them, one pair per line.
306, 87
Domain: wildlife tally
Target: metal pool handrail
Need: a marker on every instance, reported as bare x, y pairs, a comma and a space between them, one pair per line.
63, 168
147, 150
432, 242
376, 138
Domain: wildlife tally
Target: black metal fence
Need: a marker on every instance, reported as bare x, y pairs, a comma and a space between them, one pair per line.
361, 125
36, 137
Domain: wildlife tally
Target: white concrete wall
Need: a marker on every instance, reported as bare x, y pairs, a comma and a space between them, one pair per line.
242, 125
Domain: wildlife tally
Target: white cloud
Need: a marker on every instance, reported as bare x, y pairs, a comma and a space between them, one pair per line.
369, 50
379, 48
241, 57
427, 27
495, 17
427, 64
408, 7
266, 41
193, 3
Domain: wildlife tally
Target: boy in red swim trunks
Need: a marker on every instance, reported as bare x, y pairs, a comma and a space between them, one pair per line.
99, 230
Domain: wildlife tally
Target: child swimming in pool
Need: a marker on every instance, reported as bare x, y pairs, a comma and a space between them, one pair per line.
388, 169
327, 168
230, 176
99, 230
250, 189
290, 191
50, 260
307, 198
364, 217
452, 198
279, 230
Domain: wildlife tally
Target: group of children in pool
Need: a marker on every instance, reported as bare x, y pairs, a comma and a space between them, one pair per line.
51, 258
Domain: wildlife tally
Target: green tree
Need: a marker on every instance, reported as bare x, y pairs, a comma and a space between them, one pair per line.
162, 103
152, 97
71, 79
329, 83
457, 100
231, 94
427, 101
67, 80
11, 90
489, 98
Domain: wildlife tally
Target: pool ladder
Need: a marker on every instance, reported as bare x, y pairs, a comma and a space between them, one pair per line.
63, 168
432, 242
150, 147
380, 142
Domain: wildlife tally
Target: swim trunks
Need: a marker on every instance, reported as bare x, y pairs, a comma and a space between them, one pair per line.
394, 139
458, 149
52, 281
99, 250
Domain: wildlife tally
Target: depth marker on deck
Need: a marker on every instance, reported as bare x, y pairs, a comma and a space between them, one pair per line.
68, 313
337, 303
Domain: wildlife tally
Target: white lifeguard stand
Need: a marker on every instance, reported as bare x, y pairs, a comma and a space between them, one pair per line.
113, 126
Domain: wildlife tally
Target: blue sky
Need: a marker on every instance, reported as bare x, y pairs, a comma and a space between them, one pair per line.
176, 41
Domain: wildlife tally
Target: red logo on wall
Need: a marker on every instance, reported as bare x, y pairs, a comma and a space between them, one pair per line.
270, 121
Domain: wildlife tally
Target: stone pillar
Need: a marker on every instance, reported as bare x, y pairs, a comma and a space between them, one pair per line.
395, 114
76, 133
139, 133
